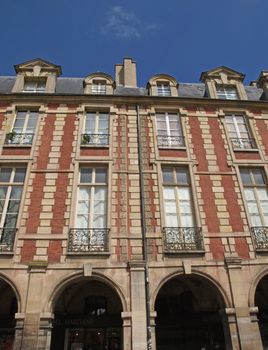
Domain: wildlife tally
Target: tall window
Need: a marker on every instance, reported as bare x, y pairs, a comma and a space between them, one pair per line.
92, 198
239, 132
163, 89
96, 130
23, 129
256, 195
177, 197
227, 92
34, 85
169, 132
11, 186
99, 87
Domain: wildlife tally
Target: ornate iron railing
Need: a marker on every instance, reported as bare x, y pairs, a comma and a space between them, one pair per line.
178, 239
243, 143
170, 141
19, 139
95, 139
7, 237
260, 237
88, 240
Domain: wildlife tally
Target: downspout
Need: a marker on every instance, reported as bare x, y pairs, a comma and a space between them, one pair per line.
143, 232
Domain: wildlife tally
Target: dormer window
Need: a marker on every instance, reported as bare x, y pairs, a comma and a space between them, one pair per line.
227, 92
163, 89
38, 86
99, 87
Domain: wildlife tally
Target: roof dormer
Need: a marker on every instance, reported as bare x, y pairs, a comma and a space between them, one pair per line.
224, 83
36, 76
262, 83
99, 84
163, 85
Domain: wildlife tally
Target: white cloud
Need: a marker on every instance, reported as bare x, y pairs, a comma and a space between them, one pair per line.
125, 24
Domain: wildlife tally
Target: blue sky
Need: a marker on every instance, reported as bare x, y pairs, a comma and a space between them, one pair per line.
180, 38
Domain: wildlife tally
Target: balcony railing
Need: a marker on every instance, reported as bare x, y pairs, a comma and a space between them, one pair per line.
95, 139
260, 237
170, 141
243, 143
88, 240
181, 239
19, 139
7, 237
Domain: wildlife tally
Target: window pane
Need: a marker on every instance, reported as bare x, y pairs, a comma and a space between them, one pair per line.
245, 176
101, 175
168, 175
85, 175
19, 175
182, 176
258, 177
5, 174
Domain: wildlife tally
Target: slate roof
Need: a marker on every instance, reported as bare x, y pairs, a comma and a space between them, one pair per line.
75, 86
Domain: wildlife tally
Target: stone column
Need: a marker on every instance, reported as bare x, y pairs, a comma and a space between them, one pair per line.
230, 329
152, 325
138, 305
126, 317
249, 337
18, 330
33, 305
45, 329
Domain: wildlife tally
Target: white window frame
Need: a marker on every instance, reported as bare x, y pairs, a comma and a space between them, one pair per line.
99, 87
167, 137
96, 137
91, 187
163, 88
36, 86
255, 205
178, 200
239, 141
227, 92
21, 135
10, 185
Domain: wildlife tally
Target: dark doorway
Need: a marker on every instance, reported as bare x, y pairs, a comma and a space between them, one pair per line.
87, 317
188, 315
261, 300
9, 307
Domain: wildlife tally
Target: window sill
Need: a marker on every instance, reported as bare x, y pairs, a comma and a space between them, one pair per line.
81, 254
184, 252
94, 146
6, 254
244, 150
183, 148
17, 145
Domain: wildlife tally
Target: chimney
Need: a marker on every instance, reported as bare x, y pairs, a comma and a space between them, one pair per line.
125, 74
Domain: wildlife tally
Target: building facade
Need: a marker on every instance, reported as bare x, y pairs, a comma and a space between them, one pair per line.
133, 218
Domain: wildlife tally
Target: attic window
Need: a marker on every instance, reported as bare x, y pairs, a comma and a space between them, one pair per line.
163, 89
31, 85
227, 92
99, 87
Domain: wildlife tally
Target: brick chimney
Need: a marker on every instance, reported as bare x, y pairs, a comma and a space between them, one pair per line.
125, 74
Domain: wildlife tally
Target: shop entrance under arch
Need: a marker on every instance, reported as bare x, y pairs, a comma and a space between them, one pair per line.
261, 300
8, 308
189, 315
87, 317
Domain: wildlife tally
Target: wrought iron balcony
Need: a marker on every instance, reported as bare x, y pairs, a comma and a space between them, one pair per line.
14, 138
260, 237
88, 240
182, 239
7, 237
95, 139
170, 141
243, 143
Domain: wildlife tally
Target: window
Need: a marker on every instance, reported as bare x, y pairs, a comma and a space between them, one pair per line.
256, 197
180, 232
90, 234
239, 133
169, 132
23, 128
11, 186
99, 87
96, 130
227, 92
34, 85
163, 89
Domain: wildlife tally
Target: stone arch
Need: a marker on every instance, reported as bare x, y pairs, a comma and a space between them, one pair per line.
164, 77
66, 281
218, 287
14, 288
251, 298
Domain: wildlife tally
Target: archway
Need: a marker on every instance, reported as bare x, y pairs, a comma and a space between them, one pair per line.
261, 300
87, 317
188, 315
9, 306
